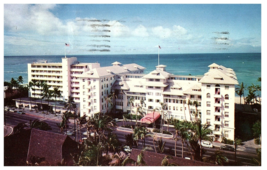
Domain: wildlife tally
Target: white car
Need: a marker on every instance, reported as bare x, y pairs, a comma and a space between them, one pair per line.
207, 144
127, 149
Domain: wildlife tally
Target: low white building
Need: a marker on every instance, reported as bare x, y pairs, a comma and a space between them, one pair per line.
89, 85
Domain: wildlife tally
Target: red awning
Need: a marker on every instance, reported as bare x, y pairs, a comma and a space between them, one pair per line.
149, 117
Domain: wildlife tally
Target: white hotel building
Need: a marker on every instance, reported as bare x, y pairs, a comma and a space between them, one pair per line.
89, 84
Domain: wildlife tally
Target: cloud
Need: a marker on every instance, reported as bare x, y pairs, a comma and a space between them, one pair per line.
117, 29
178, 30
161, 32
140, 31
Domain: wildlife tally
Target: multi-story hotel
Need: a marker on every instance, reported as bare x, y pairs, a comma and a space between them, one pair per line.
89, 85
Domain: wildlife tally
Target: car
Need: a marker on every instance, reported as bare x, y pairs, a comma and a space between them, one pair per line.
20, 112
207, 144
127, 149
227, 147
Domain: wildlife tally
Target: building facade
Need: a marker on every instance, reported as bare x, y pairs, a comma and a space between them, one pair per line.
209, 98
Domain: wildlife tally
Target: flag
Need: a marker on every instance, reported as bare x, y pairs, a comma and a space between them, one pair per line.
66, 44
159, 47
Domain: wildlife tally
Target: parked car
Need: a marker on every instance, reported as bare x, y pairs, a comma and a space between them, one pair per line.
207, 144
127, 149
20, 112
227, 147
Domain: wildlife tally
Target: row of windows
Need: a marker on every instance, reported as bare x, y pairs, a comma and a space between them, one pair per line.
225, 96
226, 114
225, 87
226, 105
226, 123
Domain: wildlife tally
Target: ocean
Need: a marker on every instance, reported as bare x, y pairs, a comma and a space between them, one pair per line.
247, 66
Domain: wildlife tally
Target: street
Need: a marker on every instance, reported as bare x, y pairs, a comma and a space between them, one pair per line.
244, 158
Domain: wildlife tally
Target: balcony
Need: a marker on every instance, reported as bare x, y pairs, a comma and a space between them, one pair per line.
217, 113
216, 122
216, 132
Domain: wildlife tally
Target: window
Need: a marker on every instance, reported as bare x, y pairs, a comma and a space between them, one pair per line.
157, 87
150, 107
226, 97
226, 87
94, 107
84, 106
227, 105
150, 87
173, 100
177, 108
94, 100
149, 93
166, 100
84, 93
208, 103
226, 123
173, 108
208, 112
170, 100
208, 121
208, 95
170, 108
192, 96
158, 94
94, 93
181, 108
226, 133
83, 86
150, 100
208, 86
226, 114
157, 100
83, 80
83, 99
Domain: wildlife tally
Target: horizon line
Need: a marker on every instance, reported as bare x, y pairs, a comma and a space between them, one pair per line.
133, 54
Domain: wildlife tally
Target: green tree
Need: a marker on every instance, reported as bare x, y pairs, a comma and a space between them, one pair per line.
201, 132
240, 90
165, 161
256, 129
56, 93
131, 101
196, 104
141, 132
163, 107
161, 145
188, 104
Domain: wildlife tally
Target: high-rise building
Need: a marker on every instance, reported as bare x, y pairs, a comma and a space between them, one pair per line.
210, 97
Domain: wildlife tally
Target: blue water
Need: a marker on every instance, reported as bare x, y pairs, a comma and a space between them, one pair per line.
247, 66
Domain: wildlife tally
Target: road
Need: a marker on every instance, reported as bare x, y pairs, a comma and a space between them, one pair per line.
244, 158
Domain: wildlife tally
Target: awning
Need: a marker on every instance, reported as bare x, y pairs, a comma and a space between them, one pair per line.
150, 117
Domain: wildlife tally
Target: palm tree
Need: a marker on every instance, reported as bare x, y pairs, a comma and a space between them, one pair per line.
131, 101
184, 102
163, 107
177, 127
108, 100
70, 105
195, 103
56, 93
240, 90
46, 93
20, 79
140, 110
188, 104
42, 85
201, 133
161, 145
141, 132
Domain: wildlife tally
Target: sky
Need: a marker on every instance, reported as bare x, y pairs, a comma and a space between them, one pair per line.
131, 29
